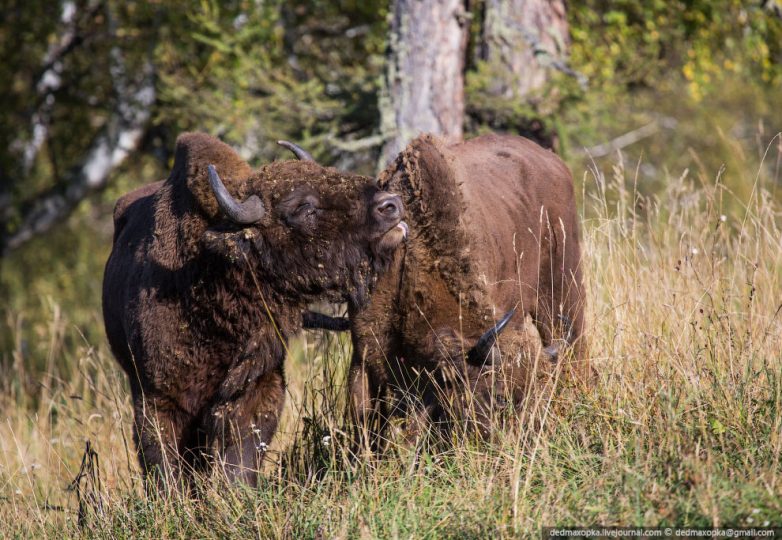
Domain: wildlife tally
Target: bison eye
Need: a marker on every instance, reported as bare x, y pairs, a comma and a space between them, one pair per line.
305, 209
301, 212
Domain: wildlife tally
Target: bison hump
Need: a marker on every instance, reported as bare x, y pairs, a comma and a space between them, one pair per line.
425, 175
194, 153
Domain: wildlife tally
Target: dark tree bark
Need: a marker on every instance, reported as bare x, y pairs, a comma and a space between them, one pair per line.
424, 86
523, 40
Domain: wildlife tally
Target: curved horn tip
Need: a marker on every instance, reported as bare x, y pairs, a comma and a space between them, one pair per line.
300, 152
504, 321
244, 213
483, 346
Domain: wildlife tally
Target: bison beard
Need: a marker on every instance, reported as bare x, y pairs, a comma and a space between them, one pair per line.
493, 228
198, 307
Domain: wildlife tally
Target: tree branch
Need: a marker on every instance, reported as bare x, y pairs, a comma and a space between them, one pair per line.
50, 79
117, 140
365, 143
548, 59
631, 137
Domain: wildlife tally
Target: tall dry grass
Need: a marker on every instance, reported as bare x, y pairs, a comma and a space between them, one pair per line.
684, 425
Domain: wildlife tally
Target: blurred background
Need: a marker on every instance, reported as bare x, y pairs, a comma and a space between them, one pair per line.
94, 94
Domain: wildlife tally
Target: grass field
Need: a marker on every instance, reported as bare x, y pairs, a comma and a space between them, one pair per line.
684, 424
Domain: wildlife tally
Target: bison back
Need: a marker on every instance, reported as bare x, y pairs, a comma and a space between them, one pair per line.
519, 209
133, 226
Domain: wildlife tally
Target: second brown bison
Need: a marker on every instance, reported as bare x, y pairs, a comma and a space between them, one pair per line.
201, 293
493, 236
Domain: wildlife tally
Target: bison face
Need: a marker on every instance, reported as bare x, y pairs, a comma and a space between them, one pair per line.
309, 231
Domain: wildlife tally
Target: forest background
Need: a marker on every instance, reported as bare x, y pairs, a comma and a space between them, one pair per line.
675, 98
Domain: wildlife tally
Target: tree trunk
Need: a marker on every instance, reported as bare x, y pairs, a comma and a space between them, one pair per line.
522, 40
424, 85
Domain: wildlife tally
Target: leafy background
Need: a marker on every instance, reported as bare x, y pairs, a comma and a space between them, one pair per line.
702, 79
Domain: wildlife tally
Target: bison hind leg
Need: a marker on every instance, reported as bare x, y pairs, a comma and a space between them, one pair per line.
243, 426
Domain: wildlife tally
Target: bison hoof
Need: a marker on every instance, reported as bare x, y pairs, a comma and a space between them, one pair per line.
552, 351
500, 403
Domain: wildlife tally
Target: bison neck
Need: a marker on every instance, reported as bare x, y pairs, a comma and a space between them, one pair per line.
233, 301
439, 313
230, 311
412, 310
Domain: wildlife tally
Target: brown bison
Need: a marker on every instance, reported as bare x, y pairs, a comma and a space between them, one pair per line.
201, 293
493, 236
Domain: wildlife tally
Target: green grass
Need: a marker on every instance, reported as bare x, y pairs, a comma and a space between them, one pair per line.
683, 426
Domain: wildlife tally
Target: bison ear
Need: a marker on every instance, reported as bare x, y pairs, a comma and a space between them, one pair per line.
194, 153
233, 245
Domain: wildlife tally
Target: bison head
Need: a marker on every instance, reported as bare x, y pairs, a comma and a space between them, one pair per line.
309, 231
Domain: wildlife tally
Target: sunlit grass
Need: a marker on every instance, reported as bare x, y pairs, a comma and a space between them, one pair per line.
683, 426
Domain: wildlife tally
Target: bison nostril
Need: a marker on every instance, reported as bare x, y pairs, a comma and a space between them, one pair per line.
387, 208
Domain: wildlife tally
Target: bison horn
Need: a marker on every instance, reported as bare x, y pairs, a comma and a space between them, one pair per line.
312, 320
555, 348
481, 349
244, 213
300, 152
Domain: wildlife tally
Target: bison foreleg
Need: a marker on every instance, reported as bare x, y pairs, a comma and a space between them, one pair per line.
368, 410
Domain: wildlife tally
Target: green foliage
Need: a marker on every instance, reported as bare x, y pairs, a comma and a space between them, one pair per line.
626, 43
711, 69
303, 71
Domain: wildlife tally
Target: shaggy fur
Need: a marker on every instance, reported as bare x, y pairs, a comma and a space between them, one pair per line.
493, 226
198, 310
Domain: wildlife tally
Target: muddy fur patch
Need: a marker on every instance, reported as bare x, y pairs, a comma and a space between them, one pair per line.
423, 175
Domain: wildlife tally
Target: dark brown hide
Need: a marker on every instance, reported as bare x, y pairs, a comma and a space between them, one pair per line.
198, 309
493, 226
